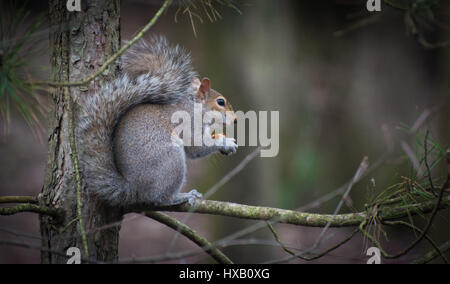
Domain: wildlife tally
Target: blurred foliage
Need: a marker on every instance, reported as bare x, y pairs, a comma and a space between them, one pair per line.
412, 189
16, 91
421, 17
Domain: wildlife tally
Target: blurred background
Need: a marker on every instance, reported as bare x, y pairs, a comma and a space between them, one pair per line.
346, 83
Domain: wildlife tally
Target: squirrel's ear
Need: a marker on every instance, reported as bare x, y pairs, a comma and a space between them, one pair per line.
197, 89
201, 88
205, 87
196, 83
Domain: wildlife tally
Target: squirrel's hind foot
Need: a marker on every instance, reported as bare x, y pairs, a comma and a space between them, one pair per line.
183, 197
193, 195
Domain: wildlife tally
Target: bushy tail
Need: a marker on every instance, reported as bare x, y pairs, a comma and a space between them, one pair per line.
154, 72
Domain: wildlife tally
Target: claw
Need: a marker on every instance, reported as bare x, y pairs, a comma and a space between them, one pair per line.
196, 193
191, 200
193, 195
229, 147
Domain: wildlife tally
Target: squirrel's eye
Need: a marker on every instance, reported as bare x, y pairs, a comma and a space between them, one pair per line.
221, 102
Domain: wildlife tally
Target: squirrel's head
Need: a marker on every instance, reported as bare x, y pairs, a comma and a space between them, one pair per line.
213, 100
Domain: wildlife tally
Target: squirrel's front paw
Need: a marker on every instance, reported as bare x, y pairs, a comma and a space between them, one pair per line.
229, 146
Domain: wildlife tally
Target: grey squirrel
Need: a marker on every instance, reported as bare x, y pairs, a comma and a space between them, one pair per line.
125, 131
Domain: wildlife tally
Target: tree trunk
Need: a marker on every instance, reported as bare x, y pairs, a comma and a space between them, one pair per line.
80, 42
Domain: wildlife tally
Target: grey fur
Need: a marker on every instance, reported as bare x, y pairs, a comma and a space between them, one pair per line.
124, 131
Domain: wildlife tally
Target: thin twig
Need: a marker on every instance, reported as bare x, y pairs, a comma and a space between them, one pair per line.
18, 199
360, 172
430, 180
359, 24
433, 254
420, 120
27, 207
42, 249
219, 185
190, 234
433, 244
197, 251
17, 234
76, 169
412, 157
300, 255
232, 173
112, 58
362, 168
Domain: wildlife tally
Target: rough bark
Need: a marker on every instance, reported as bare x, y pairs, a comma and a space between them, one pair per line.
79, 44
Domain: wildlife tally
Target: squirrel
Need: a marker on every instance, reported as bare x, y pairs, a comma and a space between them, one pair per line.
125, 131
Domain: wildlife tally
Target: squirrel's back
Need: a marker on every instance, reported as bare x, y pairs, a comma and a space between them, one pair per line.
153, 72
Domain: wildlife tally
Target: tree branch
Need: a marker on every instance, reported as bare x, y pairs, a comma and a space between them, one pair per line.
18, 199
265, 213
301, 218
192, 235
56, 213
